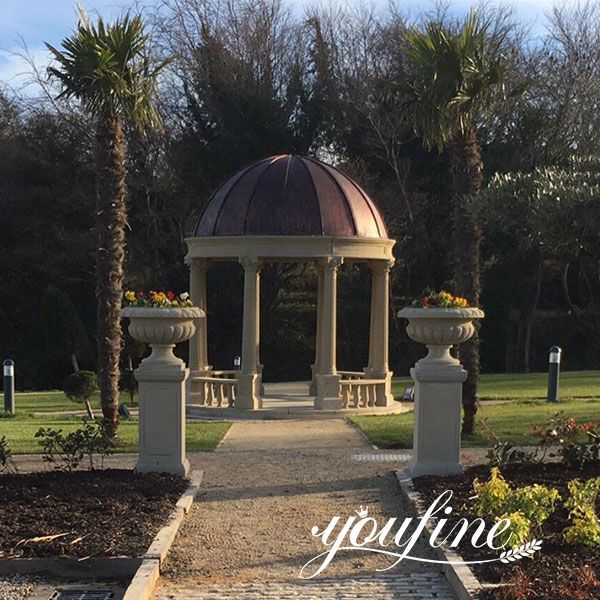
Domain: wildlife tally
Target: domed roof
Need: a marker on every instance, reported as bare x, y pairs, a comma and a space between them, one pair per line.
290, 195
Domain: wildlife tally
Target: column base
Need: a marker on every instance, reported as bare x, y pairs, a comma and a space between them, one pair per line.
328, 392
157, 465
420, 468
248, 392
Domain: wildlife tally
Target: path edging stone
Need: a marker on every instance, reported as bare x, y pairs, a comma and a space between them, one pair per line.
143, 584
461, 578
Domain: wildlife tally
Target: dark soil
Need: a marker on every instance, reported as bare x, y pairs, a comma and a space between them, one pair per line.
103, 513
555, 572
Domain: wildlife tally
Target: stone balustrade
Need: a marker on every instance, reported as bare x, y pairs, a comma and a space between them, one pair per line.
217, 391
360, 393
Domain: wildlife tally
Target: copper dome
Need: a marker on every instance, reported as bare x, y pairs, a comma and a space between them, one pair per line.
290, 195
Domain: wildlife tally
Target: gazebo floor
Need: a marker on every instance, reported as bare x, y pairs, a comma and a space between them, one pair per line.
289, 400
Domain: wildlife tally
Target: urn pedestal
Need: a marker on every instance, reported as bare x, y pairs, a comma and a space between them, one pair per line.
438, 381
162, 386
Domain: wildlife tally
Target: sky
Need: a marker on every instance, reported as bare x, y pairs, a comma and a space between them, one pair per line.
34, 22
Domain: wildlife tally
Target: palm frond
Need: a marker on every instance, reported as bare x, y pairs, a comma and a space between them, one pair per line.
451, 75
108, 67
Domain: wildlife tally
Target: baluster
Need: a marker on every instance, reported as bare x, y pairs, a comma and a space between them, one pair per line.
372, 394
220, 394
211, 393
345, 395
364, 396
356, 396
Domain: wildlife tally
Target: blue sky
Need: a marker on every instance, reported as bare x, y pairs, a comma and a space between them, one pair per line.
36, 21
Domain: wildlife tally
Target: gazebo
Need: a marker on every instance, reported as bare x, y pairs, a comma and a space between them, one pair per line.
292, 209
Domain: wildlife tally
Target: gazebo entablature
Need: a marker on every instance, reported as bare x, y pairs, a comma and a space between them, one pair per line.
333, 389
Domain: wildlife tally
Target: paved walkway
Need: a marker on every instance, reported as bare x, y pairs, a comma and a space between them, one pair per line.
266, 486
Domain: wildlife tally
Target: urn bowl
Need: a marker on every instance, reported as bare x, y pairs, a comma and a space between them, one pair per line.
162, 326
440, 326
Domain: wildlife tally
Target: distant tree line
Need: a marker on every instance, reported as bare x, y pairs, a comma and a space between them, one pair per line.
248, 79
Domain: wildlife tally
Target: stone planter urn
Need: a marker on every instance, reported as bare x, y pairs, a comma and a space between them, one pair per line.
162, 378
438, 381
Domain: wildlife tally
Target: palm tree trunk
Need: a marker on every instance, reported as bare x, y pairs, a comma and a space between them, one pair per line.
466, 165
110, 227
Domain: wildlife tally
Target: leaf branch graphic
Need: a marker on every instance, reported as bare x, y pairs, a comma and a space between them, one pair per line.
518, 552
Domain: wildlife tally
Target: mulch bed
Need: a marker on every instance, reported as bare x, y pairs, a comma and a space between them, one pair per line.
103, 513
555, 571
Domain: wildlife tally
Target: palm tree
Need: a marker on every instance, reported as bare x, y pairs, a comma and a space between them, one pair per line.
452, 77
107, 68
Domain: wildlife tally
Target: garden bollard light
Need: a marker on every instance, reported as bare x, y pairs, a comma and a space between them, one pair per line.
9, 386
237, 362
553, 373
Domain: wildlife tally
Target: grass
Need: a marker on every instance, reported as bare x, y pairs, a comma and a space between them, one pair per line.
20, 429
54, 401
511, 421
530, 386
20, 432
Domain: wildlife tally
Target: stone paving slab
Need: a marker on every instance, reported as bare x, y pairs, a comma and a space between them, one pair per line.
414, 586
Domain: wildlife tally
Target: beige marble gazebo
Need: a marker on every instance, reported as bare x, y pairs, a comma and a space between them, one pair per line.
287, 208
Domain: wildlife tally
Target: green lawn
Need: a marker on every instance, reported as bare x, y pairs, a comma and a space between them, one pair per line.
20, 431
510, 421
573, 384
54, 401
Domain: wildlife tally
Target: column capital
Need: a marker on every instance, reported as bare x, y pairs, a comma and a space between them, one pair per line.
331, 263
250, 262
381, 266
197, 262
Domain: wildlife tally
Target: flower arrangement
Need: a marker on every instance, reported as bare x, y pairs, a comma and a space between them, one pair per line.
157, 299
431, 299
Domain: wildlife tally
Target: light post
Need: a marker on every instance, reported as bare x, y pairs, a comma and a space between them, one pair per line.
237, 362
553, 373
9, 386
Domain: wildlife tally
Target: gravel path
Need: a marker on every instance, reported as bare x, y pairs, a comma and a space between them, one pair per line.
263, 490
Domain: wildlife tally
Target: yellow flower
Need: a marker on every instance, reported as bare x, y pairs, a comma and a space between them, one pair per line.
174, 303
130, 296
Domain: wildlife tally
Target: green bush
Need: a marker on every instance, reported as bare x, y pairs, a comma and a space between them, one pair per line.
582, 494
491, 495
518, 531
536, 502
526, 506
80, 387
67, 452
585, 528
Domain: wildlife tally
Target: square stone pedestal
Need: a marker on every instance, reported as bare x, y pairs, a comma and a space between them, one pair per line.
328, 392
438, 400
162, 418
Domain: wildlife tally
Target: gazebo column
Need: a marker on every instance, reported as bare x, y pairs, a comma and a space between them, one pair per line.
248, 388
328, 379
198, 349
315, 368
378, 367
